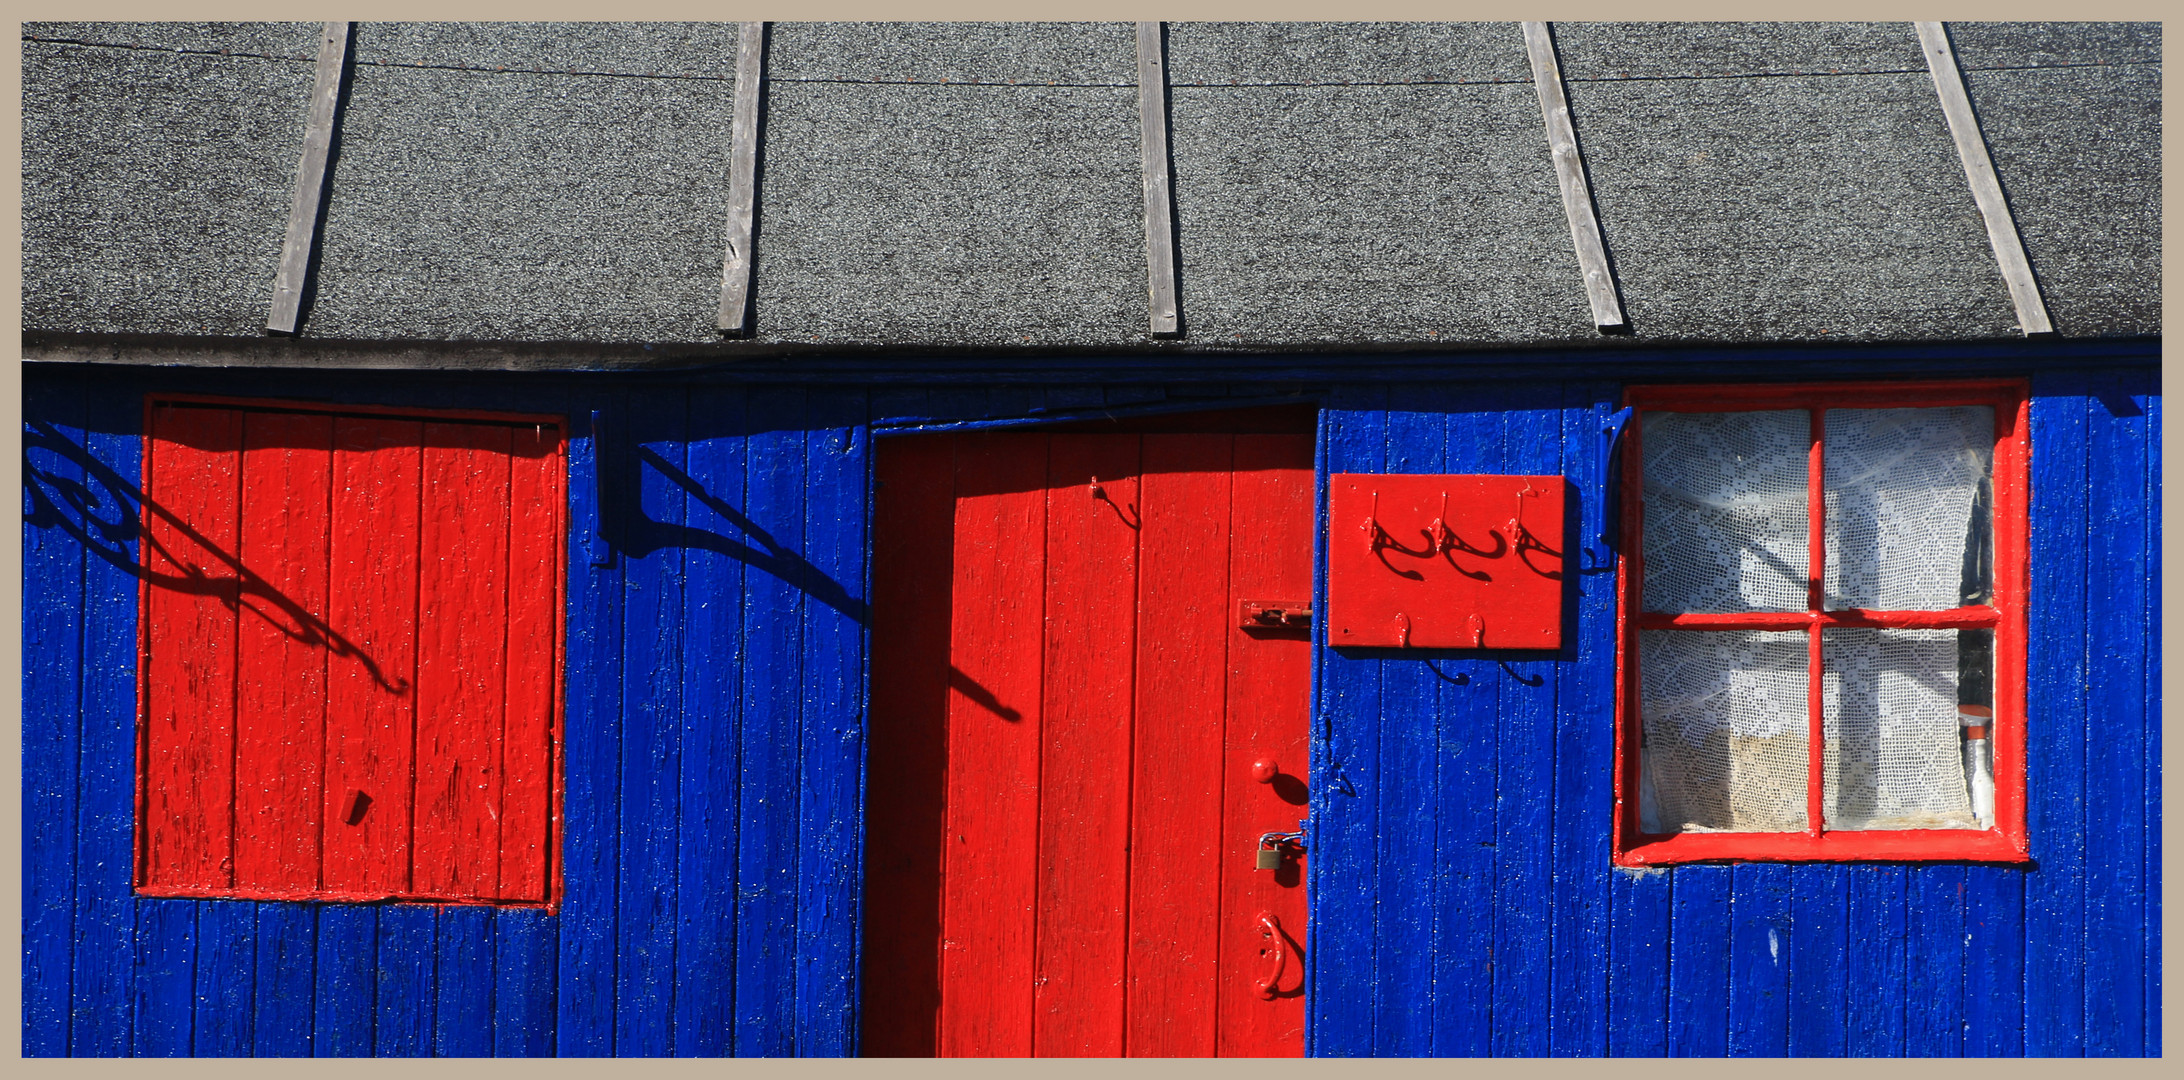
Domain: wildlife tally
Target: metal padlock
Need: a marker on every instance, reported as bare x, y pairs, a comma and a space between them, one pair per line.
1270, 858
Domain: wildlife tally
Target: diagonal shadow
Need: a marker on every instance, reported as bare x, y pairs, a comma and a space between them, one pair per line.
979, 695
75, 508
638, 535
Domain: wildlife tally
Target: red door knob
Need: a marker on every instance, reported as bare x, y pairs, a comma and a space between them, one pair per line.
1264, 770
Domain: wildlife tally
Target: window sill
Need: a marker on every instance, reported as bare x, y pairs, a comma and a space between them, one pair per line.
334, 896
1905, 845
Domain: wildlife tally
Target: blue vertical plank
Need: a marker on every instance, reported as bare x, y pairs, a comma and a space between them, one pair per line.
287, 968
651, 722
1584, 741
523, 983
102, 990
1469, 690
1875, 980
1698, 964
285, 980
2150, 524
2055, 722
830, 800
1408, 847
1933, 1014
1994, 961
766, 844
1345, 778
52, 701
1638, 952
591, 810
227, 961
463, 983
405, 992
166, 952
1759, 961
712, 704
1525, 773
345, 998
1818, 942
2116, 934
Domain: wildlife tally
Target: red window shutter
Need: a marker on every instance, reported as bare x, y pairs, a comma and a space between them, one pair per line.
351, 653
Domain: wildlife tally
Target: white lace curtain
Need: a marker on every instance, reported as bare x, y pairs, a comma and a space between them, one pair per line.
1724, 713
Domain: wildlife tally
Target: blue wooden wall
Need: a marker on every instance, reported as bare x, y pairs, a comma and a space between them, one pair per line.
715, 680
1463, 898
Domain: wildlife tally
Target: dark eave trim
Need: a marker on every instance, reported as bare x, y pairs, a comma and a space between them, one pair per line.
1178, 362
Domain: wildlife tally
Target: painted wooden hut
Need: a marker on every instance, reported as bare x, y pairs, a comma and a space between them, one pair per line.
1082, 539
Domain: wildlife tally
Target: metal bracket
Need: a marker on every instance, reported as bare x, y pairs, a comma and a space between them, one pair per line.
1274, 614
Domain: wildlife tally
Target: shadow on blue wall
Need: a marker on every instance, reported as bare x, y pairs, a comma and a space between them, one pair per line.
631, 532
104, 514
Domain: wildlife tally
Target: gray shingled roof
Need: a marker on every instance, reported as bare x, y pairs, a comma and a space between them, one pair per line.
979, 184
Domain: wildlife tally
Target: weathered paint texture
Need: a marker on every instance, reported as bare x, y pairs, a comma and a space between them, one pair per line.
350, 654
1463, 900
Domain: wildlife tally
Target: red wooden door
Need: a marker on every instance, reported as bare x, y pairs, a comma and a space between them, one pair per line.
1063, 814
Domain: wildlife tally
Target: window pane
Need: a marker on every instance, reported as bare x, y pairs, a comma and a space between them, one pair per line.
1898, 707
1909, 496
1724, 731
1725, 523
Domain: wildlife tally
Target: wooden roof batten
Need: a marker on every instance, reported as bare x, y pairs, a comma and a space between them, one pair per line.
1155, 162
735, 273
1577, 201
1994, 208
304, 208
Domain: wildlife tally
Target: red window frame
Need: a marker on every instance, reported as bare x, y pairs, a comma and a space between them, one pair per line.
170, 542
2006, 840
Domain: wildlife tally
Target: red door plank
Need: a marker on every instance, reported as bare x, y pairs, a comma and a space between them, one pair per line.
993, 745
192, 465
371, 687
1084, 819
1176, 840
280, 708
462, 626
913, 526
1268, 719
536, 539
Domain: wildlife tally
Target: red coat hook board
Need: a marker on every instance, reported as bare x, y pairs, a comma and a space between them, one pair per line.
1446, 562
